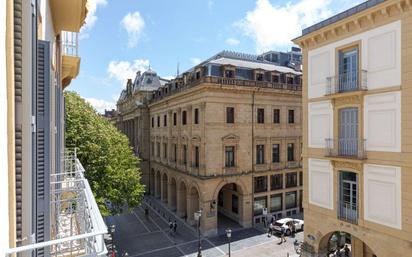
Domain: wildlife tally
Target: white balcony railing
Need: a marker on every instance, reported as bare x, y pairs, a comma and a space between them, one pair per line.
70, 43
347, 82
77, 227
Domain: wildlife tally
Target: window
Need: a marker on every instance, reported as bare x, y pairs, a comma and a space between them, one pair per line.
174, 152
152, 122
301, 178
290, 200
276, 181
261, 115
259, 76
276, 116
158, 149
230, 115
290, 80
291, 150
184, 120
275, 79
258, 204
229, 74
158, 121
282, 78
260, 154
165, 150
261, 184
275, 153
229, 156
291, 117
174, 119
348, 70
291, 179
196, 156
198, 75
184, 154
196, 119
275, 202
165, 120
235, 203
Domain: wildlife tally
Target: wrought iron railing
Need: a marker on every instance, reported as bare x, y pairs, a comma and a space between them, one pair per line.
347, 82
70, 43
350, 148
348, 212
77, 227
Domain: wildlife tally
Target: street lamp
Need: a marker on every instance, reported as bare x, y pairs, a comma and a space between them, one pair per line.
229, 235
198, 214
112, 229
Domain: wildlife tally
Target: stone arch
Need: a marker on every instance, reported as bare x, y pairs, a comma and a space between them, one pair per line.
158, 184
193, 203
164, 187
182, 199
152, 182
172, 194
358, 247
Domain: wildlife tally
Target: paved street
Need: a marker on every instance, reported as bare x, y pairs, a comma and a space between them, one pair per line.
139, 235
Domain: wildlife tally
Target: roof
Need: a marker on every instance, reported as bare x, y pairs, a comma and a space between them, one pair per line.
254, 65
340, 16
148, 81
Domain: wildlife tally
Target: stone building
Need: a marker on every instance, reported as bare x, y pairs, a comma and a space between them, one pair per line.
223, 137
357, 130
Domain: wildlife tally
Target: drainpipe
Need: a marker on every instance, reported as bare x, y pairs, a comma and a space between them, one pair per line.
253, 158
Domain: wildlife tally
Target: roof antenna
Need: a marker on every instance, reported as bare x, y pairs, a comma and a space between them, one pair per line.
177, 72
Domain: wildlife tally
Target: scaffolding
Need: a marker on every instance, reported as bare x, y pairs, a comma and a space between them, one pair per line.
77, 227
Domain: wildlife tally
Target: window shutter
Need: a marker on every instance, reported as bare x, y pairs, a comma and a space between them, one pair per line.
42, 146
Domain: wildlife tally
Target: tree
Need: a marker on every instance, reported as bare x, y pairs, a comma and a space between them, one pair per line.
110, 165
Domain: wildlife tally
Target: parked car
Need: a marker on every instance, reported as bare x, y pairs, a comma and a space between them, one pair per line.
286, 223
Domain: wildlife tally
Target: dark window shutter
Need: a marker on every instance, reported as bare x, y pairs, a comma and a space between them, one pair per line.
42, 146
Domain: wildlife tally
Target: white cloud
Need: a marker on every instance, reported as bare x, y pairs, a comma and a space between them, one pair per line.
195, 61
232, 41
169, 77
134, 24
101, 105
276, 25
91, 18
123, 70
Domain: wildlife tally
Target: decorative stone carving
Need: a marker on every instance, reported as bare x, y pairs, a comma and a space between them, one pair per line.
347, 165
348, 100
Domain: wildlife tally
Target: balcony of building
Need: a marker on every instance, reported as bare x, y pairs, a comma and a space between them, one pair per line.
352, 148
350, 81
77, 227
348, 212
68, 15
70, 56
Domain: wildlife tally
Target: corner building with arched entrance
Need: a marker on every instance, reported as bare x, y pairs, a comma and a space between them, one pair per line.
357, 131
223, 137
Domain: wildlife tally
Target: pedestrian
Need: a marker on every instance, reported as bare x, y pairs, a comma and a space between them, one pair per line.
293, 229
146, 211
282, 235
272, 219
170, 227
346, 250
264, 222
174, 227
270, 230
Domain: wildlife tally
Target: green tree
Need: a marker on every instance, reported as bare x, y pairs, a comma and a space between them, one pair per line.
109, 162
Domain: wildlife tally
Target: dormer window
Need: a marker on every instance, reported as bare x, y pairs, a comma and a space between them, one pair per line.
275, 78
290, 80
259, 76
198, 75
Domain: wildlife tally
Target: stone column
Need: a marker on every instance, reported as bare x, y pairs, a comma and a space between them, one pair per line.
181, 203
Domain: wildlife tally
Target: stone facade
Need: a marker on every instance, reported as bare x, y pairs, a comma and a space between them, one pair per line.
379, 221
214, 142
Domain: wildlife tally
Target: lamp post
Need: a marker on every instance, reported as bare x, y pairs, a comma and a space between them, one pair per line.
112, 230
198, 214
229, 235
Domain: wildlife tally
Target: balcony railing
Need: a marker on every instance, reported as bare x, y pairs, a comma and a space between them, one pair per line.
348, 212
70, 43
77, 227
347, 82
346, 148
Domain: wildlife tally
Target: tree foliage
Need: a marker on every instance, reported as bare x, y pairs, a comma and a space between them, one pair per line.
109, 162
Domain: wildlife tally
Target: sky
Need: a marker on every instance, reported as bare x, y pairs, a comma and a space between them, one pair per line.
121, 37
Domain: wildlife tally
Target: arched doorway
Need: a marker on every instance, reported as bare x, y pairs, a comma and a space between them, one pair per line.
343, 242
182, 201
158, 185
164, 188
229, 204
173, 195
193, 204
